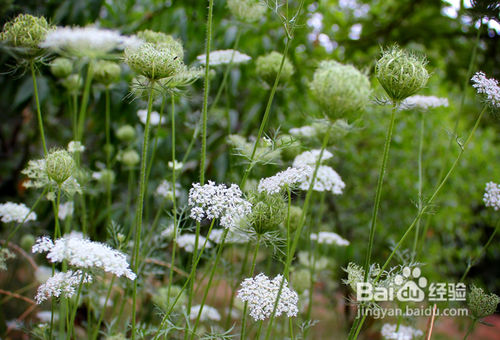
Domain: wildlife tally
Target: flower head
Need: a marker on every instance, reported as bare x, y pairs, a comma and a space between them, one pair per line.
403, 333
126, 133
268, 66
303, 131
327, 237
75, 147
154, 61
207, 314
492, 195
224, 57
489, 87
261, 294
59, 165
65, 210
327, 179
311, 157
187, 241
106, 72
284, 179
63, 284
246, 10
482, 304
423, 102
154, 117
13, 212
268, 211
61, 67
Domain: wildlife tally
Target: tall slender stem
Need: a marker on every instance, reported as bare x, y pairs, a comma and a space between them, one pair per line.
245, 308
85, 100
101, 317
420, 183
38, 111
470, 329
73, 313
108, 154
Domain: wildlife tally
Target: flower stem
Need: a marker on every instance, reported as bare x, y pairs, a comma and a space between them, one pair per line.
108, 154
101, 317
71, 328
245, 308
38, 111
470, 329
420, 183
85, 100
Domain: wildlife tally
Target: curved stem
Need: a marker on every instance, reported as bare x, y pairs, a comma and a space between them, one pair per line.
38, 110
470, 329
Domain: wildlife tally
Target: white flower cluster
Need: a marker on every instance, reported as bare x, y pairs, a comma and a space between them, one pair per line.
327, 237
261, 294
175, 165
61, 284
66, 209
154, 118
165, 189
217, 201
13, 212
304, 131
207, 314
84, 253
75, 147
223, 57
187, 241
327, 179
404, 332
216, 237
489, 87
311, 157
423, 102
284, 179
492, 195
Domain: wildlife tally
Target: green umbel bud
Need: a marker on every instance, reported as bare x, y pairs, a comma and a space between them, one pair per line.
126, 133
61, 67
268, 211
268, 67
106, 72
108, 149
401, 73
27, 241
295, 217
342, 91
59, 165
162, 38
246, 10
154, 61
301, 280
481, 304
73, 83
130, 158
25, 33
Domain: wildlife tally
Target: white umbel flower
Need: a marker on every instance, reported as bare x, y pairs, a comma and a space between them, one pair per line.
284, 179
223, 57
492, 195
154, 118
489, 87
83, 253
207, 314
65, 210
13, 212
75, 147
404, 332
311, 157
327, 179
261, 294
327, 237
231, 237
218, 201
61, 285
187, 241
423, 102
304, 131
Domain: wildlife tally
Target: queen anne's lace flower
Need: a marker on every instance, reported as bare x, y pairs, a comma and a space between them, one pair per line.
261, 294
489, 87
75, 147
13, 212
327, 179
492, 195
207, 314
65, 210
404, 332
218, 201
224, 57
61, 284
84, 253
216, 237
154, 117
327, 237
187, 242
423, 102
284, 179
311, 157
304, 131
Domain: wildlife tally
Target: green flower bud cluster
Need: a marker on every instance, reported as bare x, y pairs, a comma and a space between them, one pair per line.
106, 72
154, 61
105, 177
401, 74
59, 165
301, 280
268, 66
126, 133
130, 158
342, 91
481, 304
73, 83
246, 10
268, 211
61, 67
162, 38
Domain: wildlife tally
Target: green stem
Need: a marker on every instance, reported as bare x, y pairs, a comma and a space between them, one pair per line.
156, 142
420, 183
38, 111
470, 329
73, 313
101, 317
108, 154
140, 202
245, 308
85, 100
236, 283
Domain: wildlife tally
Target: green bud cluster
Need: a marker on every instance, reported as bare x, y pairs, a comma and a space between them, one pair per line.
246, 10
481, 304
106, 72
61, 67
130, 158
107, 177
268, 211
342, 91
73, 83
59, 165
301, 280
401, 73
268, 66
126, 133
162, 38
154, 61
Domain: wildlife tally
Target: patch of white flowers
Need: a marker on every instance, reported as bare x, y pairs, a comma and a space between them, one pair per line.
187, 241
65, 210
207, 314
261, 293
83, 253
61, 285
218, 201
327, 179
327, 237
154, 117
423, 102
489, 87
492, 195
284, 179
311, 157
304, 131
223, 57
75, 147
403, 333
13, 212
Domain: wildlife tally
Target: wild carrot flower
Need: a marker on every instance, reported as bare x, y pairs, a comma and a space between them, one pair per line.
327, 179
284, 179
311, 157
61, 67
423, 102
217, 201
187, 241
489, 87
261, 294
75, 147
267, 68
303, 131
165, 189
268, 211
106, 72
65, 210
492, 195
224, 57
207, 314
13, 212
83, 253
481, 304
403, 333
154, 117
61, 285
246, 10
154, 61
327, 237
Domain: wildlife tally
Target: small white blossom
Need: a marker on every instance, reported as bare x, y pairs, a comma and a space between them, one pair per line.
218, 201
327, 179
423, 102
492, 195
175, 165
404, 332
165, 189
223, 57
66, 209
207, 314
154, 118
169, 231
13, 212
261, 294
75, 147
288, 178
62, 284
231, 237
304, 131
489, 87
45, 316
187, 242
326, 237
311, 157
83, 253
